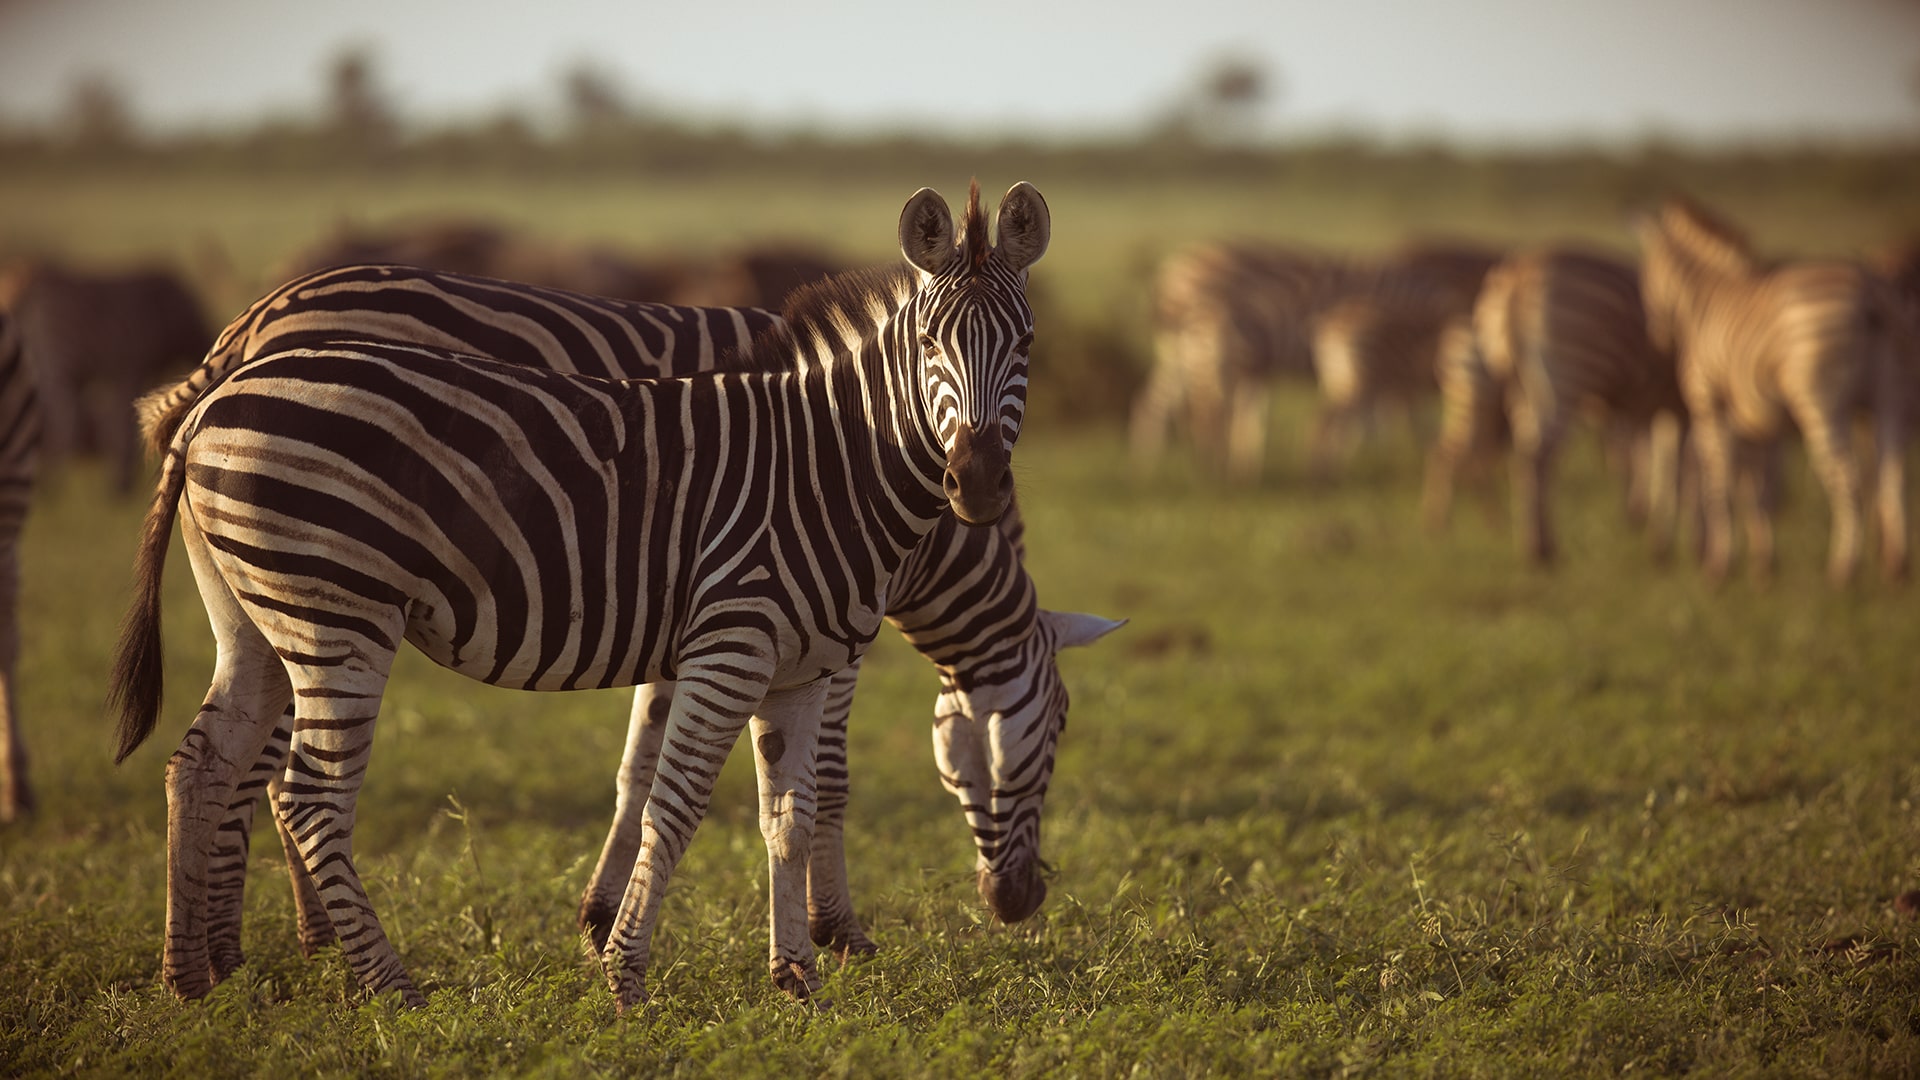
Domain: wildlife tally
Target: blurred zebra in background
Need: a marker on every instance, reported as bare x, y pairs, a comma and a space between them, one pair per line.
1558, 333
907, 394
1817, 342
1231, 319
943, 598
95, 340
19, 456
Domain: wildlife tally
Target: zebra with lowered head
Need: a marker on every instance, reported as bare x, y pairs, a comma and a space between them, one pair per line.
1817, 342
736, 532
963, 596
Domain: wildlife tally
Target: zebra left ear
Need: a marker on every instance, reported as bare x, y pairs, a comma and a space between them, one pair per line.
1072, 628
1024, 226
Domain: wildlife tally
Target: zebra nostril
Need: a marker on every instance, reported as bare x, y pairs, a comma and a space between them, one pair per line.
951, 484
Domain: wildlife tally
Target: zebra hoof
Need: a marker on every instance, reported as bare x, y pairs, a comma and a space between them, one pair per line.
596, 919
191, 985
800, 982
847, 941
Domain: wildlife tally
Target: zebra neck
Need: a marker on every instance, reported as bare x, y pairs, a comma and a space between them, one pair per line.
882, 427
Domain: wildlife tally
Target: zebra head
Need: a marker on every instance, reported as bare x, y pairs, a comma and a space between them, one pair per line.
972, 329
995, 731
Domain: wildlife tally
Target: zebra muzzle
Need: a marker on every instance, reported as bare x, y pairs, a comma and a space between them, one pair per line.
979, 476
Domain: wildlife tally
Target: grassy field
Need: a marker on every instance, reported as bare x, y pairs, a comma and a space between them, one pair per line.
1343, 799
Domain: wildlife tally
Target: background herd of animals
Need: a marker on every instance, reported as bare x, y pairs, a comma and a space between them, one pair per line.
1344, 793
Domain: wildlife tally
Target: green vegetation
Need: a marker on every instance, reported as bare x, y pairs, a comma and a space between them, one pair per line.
1343, 799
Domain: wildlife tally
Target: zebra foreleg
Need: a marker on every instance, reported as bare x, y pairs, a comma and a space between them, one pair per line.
646, 726
710, 708
786, 736
830, 918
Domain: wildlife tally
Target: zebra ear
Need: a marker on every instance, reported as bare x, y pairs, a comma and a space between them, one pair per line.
926, 232
1071, 628
1024, 226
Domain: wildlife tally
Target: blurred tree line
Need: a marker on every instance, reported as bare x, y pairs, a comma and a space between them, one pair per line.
1210, 131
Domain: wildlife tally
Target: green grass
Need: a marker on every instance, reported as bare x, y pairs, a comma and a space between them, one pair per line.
1341, 800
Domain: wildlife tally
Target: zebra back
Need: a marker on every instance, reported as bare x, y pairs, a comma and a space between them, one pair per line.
512, 322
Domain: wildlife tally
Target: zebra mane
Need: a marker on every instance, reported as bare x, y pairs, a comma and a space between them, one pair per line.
828, 317
973, 229
1705, 235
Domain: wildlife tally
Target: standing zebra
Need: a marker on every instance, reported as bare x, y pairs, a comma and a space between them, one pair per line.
19, 453
1231, 319
1815, 342
1367, 355
1560, 332
956, 582
758, 519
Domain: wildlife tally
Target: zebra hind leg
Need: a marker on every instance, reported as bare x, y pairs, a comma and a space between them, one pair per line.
336, 706
831, 921
227, 866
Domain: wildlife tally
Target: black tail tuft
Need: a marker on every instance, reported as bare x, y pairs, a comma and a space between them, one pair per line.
137, 668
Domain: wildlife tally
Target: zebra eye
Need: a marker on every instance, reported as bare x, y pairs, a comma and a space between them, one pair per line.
929, 346
1025, 343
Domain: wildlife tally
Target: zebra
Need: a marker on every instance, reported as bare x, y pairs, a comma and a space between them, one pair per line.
1560, 332
19, 458
1231, 318
979, 572
95, 338
1365, 355
772, 510
1813, 341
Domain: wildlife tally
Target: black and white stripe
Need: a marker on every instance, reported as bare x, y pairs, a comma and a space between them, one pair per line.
979, 571
758, 516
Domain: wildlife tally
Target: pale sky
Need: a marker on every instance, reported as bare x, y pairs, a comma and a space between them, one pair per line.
1477, 70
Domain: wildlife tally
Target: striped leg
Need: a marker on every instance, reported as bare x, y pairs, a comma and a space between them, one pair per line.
227, 865
786, 735
1756, 469
1713, 450
16, 797
1250, 405
830, 918
1663, 437
710, 708
249, 693
1892, 398
1538, 427
646, 726
335, 708
1824, 429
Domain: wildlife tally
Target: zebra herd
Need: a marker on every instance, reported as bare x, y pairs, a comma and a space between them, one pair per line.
550, 490
378, 454
1704, 347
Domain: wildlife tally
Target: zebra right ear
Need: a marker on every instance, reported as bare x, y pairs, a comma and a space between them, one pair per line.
926, 232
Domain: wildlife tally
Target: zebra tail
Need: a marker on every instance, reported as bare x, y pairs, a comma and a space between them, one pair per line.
137, 668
